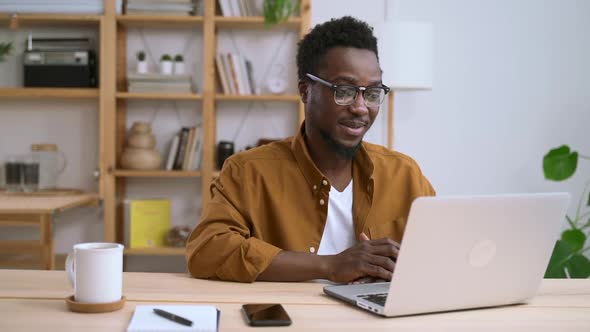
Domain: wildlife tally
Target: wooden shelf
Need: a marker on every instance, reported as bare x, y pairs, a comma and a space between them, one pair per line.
157, 174
253, 22
159, 20
222, 97
50, 19
159, 96
161, 251
48, 93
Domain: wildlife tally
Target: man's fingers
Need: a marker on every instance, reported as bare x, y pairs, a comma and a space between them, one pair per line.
364, 237
384, 241
385, 250
382, 261
378, 272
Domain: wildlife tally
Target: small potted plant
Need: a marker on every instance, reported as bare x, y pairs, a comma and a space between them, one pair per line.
166, 64
142, 65
178, 64
5, 49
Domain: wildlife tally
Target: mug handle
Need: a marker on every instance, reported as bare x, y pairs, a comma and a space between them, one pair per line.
70, 268
65, 162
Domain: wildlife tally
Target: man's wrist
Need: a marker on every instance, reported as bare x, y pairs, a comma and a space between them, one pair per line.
324, 263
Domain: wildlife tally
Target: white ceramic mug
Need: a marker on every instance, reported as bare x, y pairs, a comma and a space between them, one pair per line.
95, 270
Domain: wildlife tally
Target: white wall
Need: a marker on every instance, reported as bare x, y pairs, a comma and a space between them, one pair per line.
511, 81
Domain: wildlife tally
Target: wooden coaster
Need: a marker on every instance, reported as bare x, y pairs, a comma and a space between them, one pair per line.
94, 307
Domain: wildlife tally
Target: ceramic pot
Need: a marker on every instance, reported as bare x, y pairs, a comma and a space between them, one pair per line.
142, 67
166, 67
141, 159
141, 141
178, 68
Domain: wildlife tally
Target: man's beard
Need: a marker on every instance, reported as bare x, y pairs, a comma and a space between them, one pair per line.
343, 151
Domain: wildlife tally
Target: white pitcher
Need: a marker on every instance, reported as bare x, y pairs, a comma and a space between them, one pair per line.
50, 166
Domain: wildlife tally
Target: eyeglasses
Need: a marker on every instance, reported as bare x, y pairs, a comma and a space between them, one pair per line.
345, 94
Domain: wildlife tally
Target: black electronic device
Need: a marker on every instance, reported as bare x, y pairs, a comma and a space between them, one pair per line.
266, 314
60, 68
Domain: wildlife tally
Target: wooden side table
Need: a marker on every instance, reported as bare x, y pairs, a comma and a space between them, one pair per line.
31, 210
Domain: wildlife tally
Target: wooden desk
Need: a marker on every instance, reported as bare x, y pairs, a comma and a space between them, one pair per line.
33, 301
17, 210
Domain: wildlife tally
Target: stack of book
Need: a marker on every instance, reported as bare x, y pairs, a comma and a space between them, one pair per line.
239, 8
235, 74
159, 83
56, 6
162, 7
185, 150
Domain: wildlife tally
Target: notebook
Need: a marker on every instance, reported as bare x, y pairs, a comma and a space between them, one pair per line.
205, 318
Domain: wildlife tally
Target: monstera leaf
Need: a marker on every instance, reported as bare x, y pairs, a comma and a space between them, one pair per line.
560, 163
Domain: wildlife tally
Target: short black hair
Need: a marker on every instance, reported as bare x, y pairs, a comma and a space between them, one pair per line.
346, 31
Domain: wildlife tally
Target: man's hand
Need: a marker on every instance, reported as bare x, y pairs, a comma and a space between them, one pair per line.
369, 258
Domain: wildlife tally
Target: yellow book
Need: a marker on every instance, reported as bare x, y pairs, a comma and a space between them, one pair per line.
149, 221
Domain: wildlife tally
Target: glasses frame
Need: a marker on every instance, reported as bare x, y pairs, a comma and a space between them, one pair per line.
357, 88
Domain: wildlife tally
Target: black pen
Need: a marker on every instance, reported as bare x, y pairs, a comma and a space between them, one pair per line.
173, 317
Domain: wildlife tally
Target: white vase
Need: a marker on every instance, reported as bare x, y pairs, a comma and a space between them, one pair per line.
166, 67
178, 67
142, 67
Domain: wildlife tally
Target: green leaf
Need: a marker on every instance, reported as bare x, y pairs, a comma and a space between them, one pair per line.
561, 252
588, 203
575, 238
559, 163
578, 266
5, 49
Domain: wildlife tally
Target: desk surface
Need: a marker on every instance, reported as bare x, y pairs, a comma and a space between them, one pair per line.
562, 305
17, 204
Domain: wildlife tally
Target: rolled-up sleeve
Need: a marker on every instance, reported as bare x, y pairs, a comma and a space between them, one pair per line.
221, 246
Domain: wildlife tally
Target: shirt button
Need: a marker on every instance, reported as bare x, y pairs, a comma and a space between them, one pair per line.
311, 249
324, 182
315, 187
322, 202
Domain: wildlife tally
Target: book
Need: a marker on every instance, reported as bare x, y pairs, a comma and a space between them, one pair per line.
172, 152
147, 222
181, 149
205, 318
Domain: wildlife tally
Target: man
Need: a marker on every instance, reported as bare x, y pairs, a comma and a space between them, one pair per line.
322, 204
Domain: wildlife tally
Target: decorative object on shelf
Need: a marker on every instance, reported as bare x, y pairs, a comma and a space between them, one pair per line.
50, 166
277, 11
166, 64
276, 83
177, 236
140, 152
13, 169
5, 49
568, 259
142, 65
178, 64
224, 150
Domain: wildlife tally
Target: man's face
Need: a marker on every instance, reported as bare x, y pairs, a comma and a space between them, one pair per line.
342, 127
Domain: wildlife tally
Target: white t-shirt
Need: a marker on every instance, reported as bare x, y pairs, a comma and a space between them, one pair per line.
339, 230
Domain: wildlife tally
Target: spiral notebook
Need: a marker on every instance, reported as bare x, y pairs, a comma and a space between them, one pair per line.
205, 318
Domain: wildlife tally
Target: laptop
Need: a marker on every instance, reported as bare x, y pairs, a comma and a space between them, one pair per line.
466, 252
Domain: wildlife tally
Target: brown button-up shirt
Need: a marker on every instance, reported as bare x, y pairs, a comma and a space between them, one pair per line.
274, 198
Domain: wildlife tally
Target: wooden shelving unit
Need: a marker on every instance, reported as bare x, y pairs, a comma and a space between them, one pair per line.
159, 96
159, 21
83, 93
253, 22
115, 119
157, 174
50, 19
112, 97
283, 98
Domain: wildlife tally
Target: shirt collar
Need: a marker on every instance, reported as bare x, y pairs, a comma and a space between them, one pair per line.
362, 164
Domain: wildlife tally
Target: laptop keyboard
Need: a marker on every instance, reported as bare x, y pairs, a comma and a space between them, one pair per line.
375, 298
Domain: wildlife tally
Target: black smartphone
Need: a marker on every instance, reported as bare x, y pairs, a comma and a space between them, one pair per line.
266, 314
